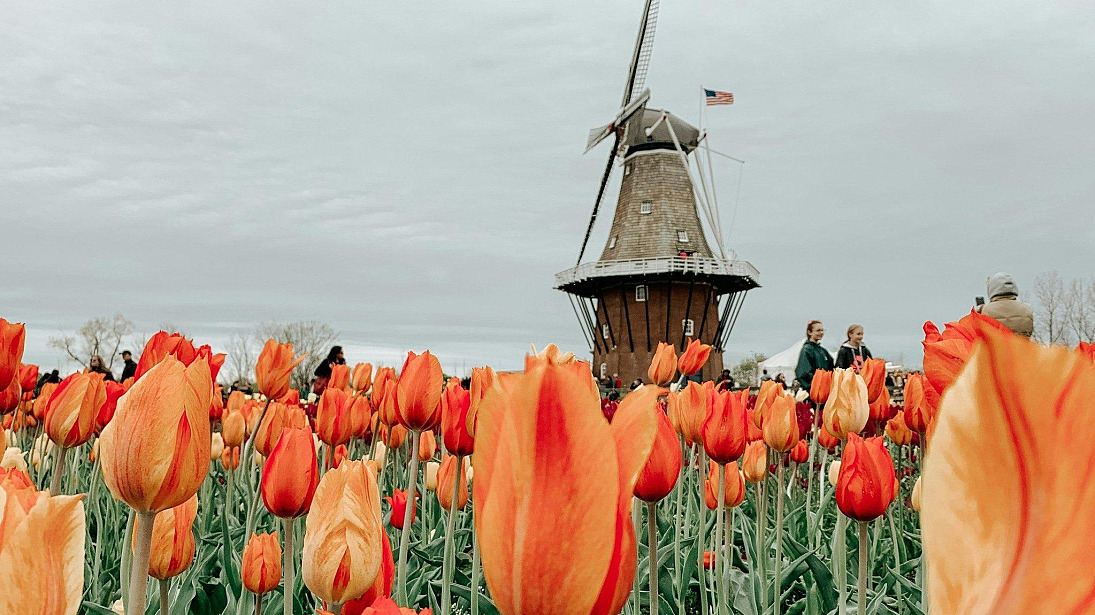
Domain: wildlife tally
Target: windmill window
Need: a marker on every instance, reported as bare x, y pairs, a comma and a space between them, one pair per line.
604, 330
627, 169
645, 207
612, 242
604, 371
640, 293
682, 236
689, 327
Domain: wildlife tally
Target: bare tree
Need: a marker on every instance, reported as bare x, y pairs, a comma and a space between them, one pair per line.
309, 337
1050, 318
747, 371
99, 336
1080, 310
242, 354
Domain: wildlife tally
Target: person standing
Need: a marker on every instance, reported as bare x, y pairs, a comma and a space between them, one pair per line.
812, 357
853, 352
1004, 305
323, 370
130, 368
95, 366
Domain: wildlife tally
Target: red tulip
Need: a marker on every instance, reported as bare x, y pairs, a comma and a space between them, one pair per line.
820, 385
398, 503
12, 338
455, 405
946, 354
28, 377
419, 392
382, 586
724, 428
800, 453
866, 484
918, 414
663, 467
290, 474
9, 396
733, 486
333, 423
873, 372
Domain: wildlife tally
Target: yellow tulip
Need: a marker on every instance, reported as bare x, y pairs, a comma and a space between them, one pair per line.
846, 410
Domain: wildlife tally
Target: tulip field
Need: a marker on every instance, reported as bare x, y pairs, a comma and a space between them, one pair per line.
405, 491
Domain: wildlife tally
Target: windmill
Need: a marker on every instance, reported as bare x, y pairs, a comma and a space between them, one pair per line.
657, 278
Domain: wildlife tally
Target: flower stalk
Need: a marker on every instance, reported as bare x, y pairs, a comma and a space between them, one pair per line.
138, 581
287, 564
652, 540
405, 533
449, 560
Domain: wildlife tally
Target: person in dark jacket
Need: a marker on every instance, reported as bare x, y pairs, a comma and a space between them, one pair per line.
95, 365
812, 357
130, 368
853, 352
323, 370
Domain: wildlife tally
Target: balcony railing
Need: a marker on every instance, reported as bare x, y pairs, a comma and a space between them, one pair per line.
648, 266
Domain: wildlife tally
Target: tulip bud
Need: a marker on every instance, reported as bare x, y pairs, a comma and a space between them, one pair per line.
691, 411
361, 378
340, 377
916, 495
446, 474
664, 365
427, 446
834, 472
781, 424
230, 458
71, 411
333, 424
173, 544
398, 503
918, 414
273, 368
380, 453
216, 447
419, 392
13, 459
897, 431
361, 413
769, 391
663, 467
820, 386
826, 439
379, 392
733, 486
275, 422
847, 410
455, 407
724, 428
695, 355
800, 453
260, 567
431, 474
866, 484
754, 463
12, 338
874, 376
233, 428
290, 475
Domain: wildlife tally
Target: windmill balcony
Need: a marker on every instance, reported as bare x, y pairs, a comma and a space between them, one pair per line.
732, 273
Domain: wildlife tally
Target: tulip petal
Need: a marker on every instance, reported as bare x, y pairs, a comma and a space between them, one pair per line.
42, 563
1007, 493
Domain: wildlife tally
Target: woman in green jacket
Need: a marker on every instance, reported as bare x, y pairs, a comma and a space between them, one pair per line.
812, 357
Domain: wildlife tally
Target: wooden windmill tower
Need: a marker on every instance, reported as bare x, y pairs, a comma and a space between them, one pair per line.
658, 278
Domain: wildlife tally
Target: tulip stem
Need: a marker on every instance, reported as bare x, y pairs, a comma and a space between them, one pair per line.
288, 561
636, 519
404, 534
258, 604
652, 539
777, 590
449, 561
127, 556
60, 455
138, 581
165, 605
840, 561
720, 515
96, 509
897, 565
862, 596
677, 530
758, 565
701, 541
474, 569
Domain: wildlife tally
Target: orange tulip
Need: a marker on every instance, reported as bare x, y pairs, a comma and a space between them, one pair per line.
38, 410
918, 415
41, 548
898, 432
541, 452
379, 393
724, 428
216, 403
339, 455
866, 484
361, 377
275, 422
395, 437
155, 453
235, 402
663, 467
27, 376
71, 411
445, 476
333, 424
361, 413
427, 446
481, 380
455, 405
389, 408
173, 544
12, 338
873, 372
695, 355
946, 354
1086, 349
690, 410
386, 606
769, 390
163, 344
290, 474
754, 464
230, 458
419, 392
9, 397
260, 568
733, 486
382, 586
879, 409
847, 410
233, 428
664, 364
826, 439
398, 503
781, 424
708, 560
342, 542
114, 392
340, 377
820, 385
800, 453
275, 365
1006, 505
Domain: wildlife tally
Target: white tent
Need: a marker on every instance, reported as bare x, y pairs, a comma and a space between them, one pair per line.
784, 362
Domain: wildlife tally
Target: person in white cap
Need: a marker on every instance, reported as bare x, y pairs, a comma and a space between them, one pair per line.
1004, 305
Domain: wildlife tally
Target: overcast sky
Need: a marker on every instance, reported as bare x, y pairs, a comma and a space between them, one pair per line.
412, 172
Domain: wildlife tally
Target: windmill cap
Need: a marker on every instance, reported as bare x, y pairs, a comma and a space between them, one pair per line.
1001, 285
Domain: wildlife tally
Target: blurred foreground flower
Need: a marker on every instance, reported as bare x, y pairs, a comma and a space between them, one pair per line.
12, 338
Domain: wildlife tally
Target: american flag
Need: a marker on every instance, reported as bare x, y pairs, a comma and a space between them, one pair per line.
714, 97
